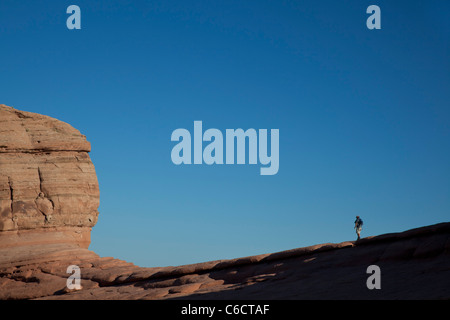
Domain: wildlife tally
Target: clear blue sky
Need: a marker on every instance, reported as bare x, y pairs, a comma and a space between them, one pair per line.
364, 116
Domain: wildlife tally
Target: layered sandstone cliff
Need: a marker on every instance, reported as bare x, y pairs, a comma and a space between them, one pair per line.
49, 197
48, 187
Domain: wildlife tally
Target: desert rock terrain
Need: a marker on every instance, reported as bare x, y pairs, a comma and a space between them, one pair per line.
49, 196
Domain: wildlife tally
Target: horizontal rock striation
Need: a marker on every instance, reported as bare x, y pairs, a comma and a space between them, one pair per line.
49, 197
414, 264
48, 186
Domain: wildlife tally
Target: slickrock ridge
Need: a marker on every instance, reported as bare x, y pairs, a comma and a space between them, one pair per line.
415, 264
49, 197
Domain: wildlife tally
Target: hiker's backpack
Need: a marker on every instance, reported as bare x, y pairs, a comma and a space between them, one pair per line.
360, 222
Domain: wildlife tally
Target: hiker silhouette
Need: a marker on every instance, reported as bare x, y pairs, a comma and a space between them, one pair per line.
358, 226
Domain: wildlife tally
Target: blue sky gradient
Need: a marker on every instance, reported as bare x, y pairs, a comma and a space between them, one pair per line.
364, 116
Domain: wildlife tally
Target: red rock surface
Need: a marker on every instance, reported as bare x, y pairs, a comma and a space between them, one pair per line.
42, 234
414, 264
48, 186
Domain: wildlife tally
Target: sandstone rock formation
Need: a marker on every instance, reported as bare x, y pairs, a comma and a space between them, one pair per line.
414, 264
49, 197
48, 187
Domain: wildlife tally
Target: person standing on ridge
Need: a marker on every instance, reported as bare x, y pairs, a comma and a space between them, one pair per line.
358, 226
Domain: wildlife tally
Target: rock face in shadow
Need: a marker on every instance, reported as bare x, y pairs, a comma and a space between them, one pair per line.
414, 264
49, 197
